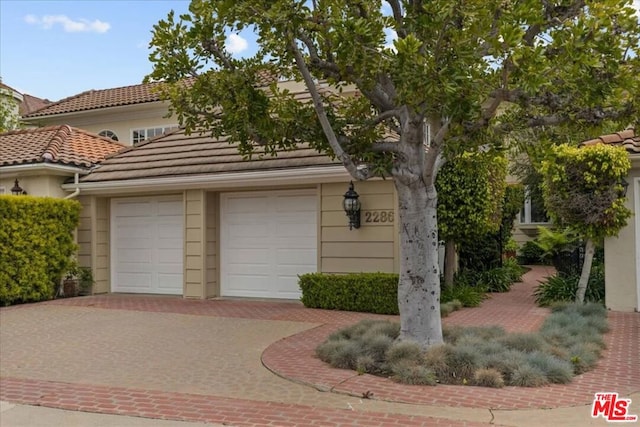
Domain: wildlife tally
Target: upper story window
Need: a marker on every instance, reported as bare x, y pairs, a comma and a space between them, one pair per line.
109, 134
533, 211
139, 135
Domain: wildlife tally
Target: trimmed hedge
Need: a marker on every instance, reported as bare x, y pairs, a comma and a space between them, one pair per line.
364, 292
36, 246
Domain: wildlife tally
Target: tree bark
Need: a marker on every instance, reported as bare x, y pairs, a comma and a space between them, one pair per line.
419, 284
586, 271
449, 262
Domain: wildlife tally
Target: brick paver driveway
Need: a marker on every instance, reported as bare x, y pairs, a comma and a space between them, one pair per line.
169, 358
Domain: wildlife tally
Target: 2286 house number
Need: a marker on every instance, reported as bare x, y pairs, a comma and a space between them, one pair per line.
379, 216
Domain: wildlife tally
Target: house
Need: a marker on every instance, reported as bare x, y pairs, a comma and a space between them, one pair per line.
38, 161
622, 253
127, 114
187, 215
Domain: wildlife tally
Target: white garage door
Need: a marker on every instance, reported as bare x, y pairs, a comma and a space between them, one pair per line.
146, 245
266, 240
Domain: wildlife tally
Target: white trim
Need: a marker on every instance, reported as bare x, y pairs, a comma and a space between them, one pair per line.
53, 167
231, 180
636, 196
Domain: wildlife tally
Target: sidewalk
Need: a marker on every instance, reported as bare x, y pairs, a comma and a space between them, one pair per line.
160, 358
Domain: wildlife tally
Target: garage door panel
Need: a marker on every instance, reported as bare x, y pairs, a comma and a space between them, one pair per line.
267, 240
147, 245
135, 281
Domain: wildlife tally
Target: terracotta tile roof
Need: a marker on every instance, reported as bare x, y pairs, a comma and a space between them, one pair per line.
55, 144
177, 154
116, 97
32, 103
627, 139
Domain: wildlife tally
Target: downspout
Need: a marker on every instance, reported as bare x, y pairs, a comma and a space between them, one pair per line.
77, 190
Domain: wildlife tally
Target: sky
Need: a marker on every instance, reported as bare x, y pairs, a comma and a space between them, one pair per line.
58, 48
54, 49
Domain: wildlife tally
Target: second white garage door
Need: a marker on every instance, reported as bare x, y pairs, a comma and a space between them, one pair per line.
147, 245
266, 240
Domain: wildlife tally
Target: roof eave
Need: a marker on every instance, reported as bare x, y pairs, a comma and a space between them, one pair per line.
220, 181
53, 168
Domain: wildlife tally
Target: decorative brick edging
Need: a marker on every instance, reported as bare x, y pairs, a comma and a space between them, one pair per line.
293, 358
199, 408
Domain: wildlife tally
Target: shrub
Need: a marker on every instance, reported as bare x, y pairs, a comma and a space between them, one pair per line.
568, 343
468, 296
513, 270
36, 246
561, 288
530, 253
526, 343
528, 376
414, 374
556, 371
488, 377
364, 292
495, 280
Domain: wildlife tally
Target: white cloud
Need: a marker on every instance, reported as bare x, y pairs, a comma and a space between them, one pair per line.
236, 44
68, 25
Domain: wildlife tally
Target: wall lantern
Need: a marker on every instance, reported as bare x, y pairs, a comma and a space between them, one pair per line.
351, 206
16, 189
625, 187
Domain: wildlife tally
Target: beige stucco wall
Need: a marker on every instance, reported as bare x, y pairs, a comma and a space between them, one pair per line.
621, 254
35, 185
371, 248
93, 240
121, 120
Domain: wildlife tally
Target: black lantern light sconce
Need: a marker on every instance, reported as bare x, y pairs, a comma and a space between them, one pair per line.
625, 187
16, 190
351, 206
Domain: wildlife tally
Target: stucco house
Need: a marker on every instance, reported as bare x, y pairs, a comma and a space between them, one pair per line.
186, 215
622, 253
38, 161
127, 114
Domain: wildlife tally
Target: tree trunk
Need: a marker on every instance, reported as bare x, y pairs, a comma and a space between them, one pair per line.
586, 271
419, 285
449, 262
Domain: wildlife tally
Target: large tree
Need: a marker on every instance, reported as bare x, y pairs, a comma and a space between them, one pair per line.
452, 66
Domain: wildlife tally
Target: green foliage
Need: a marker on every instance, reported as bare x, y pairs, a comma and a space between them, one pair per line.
569, 343
582, 188
468, 296
365, 292
531, 254
562, 288
473, 73
554, 242
496, 280
36, 246
470, 188
372, 293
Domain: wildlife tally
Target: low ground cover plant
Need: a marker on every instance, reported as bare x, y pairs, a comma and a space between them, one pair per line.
563, 288
568, 343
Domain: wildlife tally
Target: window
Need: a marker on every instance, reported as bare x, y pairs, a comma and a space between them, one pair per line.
139, 135
533, 211
109, 134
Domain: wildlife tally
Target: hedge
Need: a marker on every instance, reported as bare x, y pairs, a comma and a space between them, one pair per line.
364, 292
37, 246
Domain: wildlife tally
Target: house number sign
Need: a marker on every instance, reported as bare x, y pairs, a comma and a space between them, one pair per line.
379, 216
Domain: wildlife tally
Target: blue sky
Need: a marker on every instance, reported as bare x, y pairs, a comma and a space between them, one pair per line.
54, 49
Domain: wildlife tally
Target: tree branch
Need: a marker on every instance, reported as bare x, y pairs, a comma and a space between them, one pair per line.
212, 47
322, 116
396, 8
